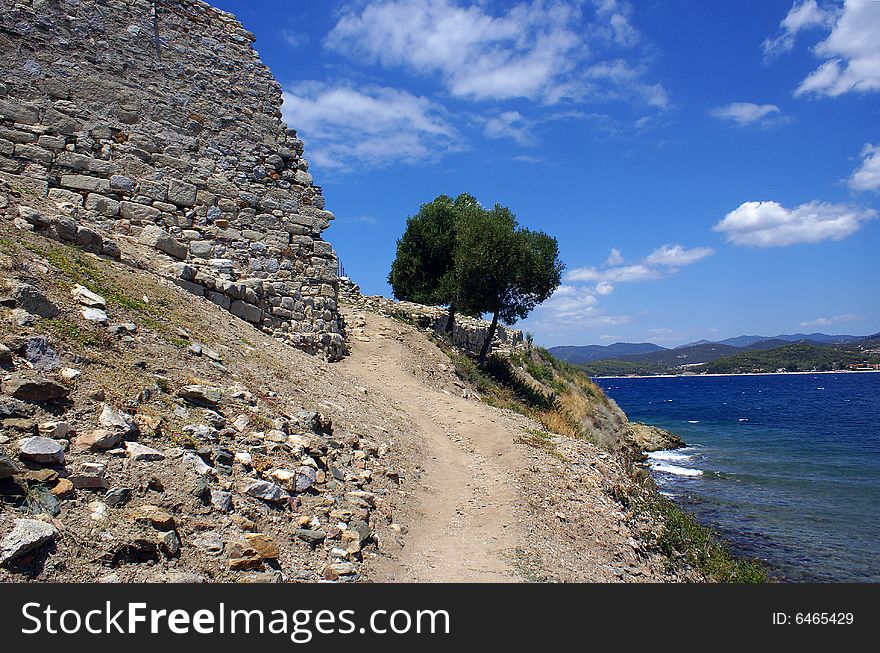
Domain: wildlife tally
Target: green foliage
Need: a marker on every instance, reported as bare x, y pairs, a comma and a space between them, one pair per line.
477, 261
688, 543
422, 270
797, 357
504, 269
71, 332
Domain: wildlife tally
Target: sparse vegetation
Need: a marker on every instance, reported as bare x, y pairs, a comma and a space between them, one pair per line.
71, 332
686, 543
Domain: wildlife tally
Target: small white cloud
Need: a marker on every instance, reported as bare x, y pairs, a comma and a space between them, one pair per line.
852, 50
366, 219
524, 158
619, 274
614, 258
604, 288
802, 16
372, 126
677, 255
660, 263
867, 176
294, 39
769, 224
510, 124
828, 321
745, 113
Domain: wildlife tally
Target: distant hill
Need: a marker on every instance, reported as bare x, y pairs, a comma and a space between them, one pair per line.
701, 351
583, 354
822, 338
766, 355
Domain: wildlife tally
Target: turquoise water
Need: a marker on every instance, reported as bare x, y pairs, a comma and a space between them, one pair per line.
786, 467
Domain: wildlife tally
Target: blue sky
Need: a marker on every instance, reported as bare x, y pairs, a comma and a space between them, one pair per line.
709, 168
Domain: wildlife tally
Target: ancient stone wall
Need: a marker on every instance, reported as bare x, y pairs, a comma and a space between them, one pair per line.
467, 333
157, 119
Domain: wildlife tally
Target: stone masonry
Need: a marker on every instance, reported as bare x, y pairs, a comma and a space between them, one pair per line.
468, 333
156, 119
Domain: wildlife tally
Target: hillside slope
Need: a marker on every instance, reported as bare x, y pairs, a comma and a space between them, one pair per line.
182, 443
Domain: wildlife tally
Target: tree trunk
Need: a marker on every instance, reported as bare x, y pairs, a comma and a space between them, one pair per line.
450, 321
487, 343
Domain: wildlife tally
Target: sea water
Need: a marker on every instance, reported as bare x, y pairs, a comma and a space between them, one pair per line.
786, 467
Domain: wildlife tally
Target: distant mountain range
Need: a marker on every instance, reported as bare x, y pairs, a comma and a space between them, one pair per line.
702, 351
745, 341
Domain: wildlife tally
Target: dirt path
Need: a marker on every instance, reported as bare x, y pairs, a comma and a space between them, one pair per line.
467, 503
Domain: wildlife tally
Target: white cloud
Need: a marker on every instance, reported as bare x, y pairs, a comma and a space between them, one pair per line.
802, 16
745, 113
661, 262
370, 126
294, 39
604, 288
828, 321
677, 255
510, 124
619, 274
852, 50
614, 258
579, 305
867, 176
535, 50
769, 224
571, 308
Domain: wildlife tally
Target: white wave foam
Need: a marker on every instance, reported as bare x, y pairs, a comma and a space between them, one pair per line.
669, 455
677, 471
693, 421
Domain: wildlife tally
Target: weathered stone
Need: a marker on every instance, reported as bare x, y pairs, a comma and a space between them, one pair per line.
115, 420
264, 546
100, 439
89, 239
153, 515
55, 430
84, 182
28, 535
13, 408
29, 298
310, 535
143, 453
305, 478
95, 315
138, 213
210, 542
181, 193
155, 236
221, 501
63, 489
61, 197
86, 297
7, 466
246, 311
43, 451
34, 388
199, 465
102, 205
169, 542
267, 492
200, 395
90, 476
39, 353
117, 497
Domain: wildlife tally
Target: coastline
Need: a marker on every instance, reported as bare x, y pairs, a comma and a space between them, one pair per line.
676, 376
